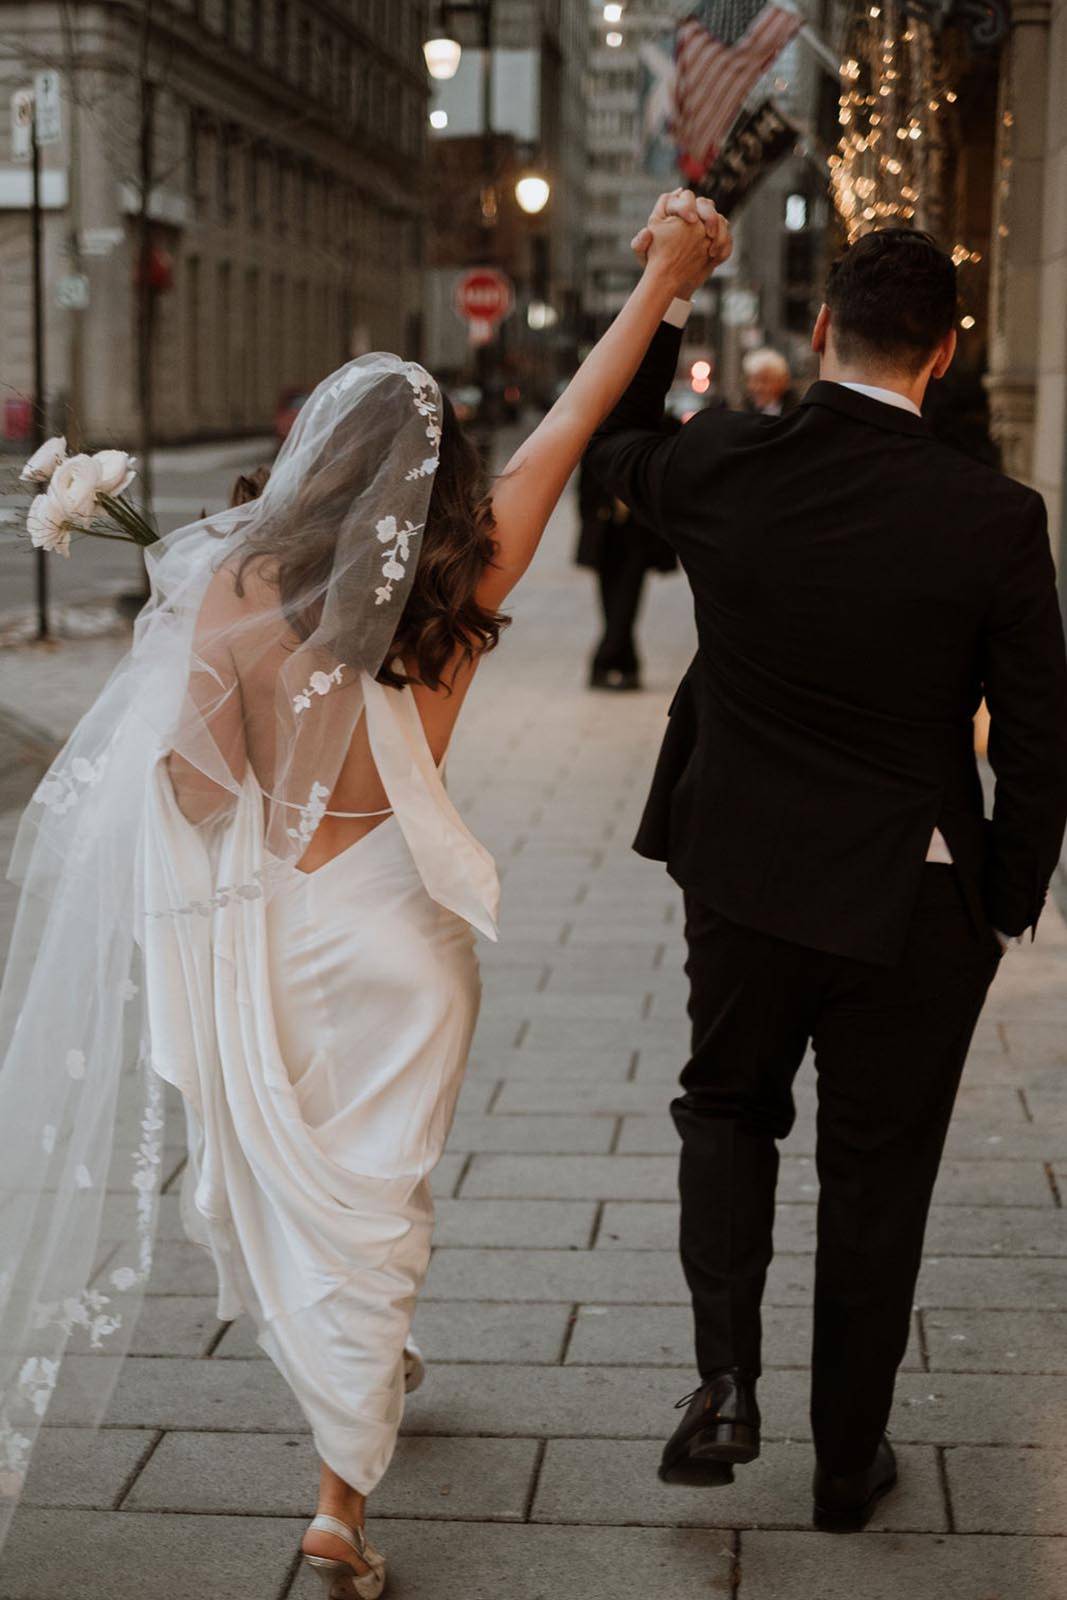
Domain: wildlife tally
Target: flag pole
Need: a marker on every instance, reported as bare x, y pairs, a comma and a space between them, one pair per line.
825, 55
814, 42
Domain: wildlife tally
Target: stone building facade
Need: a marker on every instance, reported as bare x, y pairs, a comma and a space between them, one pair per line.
288, 151
1027, 378
621, 191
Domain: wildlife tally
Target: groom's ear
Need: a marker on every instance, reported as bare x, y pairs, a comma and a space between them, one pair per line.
946, 351
820, 331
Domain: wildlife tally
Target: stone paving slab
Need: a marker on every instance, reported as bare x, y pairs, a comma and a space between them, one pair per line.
587, 1135
629, 1275
966, 1281
573, 1178
938, 1408
614, 1481
654, 1336
889, 1566
547, 1402
85, 1468
541, 1067
996, 1341
1037, 1040
1008, 1491
452, 1330
484, 1480
242, 1396
116, 1556
533, 1224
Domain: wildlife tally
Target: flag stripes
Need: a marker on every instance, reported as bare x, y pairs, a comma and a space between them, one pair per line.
714, 79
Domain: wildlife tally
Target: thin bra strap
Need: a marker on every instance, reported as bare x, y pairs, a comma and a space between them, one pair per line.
293, 806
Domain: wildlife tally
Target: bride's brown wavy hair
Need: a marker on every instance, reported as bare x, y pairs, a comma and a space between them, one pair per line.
442, 626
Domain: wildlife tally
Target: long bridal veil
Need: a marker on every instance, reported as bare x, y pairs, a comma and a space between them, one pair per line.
246, 672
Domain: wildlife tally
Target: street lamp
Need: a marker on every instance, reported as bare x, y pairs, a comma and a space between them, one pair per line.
532, 192
442, 57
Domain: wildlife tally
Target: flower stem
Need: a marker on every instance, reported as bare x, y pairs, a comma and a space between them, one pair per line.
124, 514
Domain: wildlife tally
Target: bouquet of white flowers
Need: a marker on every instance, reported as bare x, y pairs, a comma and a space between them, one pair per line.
82, 494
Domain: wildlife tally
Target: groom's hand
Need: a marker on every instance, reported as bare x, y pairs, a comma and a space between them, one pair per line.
692, 208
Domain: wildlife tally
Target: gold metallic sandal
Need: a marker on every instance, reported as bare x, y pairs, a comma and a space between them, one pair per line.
340, 1580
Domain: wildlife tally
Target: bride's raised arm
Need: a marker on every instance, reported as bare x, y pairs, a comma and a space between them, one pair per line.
680, 257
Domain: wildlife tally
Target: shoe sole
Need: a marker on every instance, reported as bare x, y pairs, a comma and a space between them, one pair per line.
710, 1464
856, 1518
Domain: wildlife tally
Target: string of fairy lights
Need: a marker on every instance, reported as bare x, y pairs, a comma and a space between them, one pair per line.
896, 112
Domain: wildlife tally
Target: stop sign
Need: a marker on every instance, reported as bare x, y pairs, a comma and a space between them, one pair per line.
484, 295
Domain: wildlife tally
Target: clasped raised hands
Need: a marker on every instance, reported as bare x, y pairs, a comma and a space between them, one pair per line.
685, 237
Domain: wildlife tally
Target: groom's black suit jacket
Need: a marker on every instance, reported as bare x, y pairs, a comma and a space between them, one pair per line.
858, 588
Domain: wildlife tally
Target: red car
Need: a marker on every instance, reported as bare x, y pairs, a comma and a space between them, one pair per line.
285, 415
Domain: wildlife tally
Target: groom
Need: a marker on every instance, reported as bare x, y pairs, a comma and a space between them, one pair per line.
859, 587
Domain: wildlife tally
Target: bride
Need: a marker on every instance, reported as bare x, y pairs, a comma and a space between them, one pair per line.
245, 863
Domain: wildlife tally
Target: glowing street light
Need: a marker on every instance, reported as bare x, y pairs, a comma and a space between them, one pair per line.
442, 57
613, 13
613, 40
532, 193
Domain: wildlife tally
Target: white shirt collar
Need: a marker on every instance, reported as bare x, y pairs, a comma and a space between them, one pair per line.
888, 397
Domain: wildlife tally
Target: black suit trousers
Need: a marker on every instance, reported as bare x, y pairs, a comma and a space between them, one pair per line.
890, 1044
623, 566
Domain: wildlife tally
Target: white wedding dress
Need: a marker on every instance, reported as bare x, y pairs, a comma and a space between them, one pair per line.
317, 1025
318, 1034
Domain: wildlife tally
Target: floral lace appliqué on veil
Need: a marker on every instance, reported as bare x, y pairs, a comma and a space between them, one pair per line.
319, 683
394, 562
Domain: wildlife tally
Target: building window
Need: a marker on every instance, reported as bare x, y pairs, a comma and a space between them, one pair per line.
192, 335
278, 192
345, 86
223, 316
225, 174
251, 343
303, 55
255, 201
281, 37
277, 332
327, 85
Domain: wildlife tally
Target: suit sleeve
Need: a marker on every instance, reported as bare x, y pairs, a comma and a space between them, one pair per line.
629, 453
1026, 688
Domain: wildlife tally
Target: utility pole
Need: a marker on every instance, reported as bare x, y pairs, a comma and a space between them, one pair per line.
489, 209
40, 418
145, 294
130, 604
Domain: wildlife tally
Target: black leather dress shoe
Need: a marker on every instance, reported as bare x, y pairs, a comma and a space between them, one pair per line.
845, 1503
720, 1430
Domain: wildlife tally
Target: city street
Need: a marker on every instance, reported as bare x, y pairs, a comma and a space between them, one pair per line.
554, 1321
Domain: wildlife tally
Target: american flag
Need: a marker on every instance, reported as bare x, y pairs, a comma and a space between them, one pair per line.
720, 55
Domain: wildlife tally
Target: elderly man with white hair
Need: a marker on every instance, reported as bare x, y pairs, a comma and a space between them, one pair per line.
768, 382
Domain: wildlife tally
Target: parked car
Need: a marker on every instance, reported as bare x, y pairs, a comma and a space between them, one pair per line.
285, 414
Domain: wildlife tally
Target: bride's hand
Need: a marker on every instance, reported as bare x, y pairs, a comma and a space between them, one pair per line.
679, 254
693, 208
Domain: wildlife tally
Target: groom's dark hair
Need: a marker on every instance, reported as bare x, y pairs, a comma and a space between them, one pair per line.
892, 298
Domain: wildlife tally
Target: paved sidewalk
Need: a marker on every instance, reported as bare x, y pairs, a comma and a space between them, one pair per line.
555, 1318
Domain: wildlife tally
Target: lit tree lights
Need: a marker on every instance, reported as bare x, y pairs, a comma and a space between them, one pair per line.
893, 110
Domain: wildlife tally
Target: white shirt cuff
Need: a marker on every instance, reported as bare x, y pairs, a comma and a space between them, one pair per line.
678, 313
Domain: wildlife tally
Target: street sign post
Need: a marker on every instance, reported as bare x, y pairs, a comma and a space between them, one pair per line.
48, 104
72, 292
484, 296
22, 124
